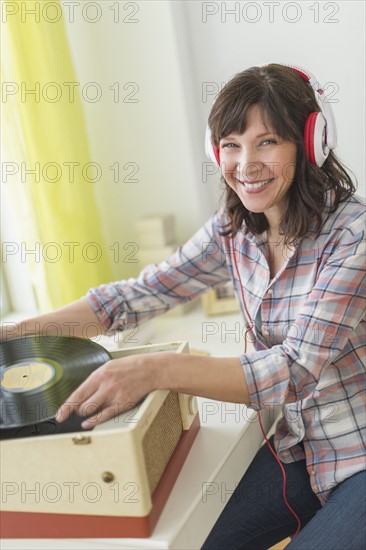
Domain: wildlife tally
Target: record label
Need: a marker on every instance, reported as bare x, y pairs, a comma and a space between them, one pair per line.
26, 376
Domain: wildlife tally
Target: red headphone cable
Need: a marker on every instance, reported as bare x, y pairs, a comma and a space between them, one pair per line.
248, 329
284, 478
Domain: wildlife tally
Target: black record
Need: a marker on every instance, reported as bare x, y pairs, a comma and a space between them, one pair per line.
39, 373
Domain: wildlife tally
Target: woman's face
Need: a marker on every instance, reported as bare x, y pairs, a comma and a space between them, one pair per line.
259, 166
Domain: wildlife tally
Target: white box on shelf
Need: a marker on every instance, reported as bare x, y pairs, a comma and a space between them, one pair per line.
155, 231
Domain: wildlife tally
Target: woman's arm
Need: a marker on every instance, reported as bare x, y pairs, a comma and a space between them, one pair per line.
194, 268
121, 383
220, 378
75, 319
197, 266
324, 343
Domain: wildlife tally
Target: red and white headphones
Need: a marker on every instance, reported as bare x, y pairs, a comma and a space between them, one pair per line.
320, 135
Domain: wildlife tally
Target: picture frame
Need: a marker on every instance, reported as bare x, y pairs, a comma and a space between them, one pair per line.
220, 300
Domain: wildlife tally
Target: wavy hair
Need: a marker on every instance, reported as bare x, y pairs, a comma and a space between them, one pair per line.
285, 100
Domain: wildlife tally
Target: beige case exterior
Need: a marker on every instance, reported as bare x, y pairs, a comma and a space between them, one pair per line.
111, 470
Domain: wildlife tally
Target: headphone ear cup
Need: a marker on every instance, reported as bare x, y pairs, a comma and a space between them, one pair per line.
309, 137
321, 150
314, 133
212, 152
216, 151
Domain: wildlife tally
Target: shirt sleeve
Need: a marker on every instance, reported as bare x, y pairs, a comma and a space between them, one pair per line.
194, 268
331, 324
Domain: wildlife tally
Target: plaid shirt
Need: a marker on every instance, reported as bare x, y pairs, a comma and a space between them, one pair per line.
308, 324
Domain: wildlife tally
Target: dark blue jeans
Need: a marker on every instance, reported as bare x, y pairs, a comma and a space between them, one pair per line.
256, 517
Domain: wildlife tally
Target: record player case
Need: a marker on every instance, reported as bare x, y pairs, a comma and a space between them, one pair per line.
112, 481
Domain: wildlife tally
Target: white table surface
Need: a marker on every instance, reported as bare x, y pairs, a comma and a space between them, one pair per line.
224, 447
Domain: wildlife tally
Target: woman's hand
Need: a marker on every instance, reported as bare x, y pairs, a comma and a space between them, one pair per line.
121, 383
111, 389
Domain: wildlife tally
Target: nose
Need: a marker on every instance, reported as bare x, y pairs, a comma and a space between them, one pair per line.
248, 164
250, 170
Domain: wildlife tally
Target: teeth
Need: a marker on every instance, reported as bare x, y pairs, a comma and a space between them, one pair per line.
257, 185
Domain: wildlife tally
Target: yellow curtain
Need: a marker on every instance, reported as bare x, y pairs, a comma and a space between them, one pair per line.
46, 132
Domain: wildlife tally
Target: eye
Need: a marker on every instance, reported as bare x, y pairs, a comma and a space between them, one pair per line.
268, 141
228, 145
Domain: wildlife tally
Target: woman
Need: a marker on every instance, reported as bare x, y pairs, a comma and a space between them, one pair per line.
290, 238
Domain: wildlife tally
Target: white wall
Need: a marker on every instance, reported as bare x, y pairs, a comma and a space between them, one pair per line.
173, 52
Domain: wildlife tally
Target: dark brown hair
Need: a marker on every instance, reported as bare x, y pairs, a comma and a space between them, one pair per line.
285, 100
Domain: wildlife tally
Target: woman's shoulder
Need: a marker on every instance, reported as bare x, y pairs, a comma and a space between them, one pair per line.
349, 215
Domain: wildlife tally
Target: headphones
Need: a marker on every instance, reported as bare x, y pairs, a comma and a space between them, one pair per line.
320, 135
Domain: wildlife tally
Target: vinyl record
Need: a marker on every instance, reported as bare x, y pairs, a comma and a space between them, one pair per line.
39, 373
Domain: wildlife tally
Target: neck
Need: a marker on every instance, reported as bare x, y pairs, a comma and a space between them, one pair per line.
274, 217
274, 231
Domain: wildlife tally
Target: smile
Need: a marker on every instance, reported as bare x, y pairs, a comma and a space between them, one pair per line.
256, 185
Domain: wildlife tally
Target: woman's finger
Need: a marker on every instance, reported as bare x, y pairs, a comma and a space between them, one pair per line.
77, 399
103, 415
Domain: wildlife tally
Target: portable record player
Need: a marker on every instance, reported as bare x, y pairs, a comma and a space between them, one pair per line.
59, 481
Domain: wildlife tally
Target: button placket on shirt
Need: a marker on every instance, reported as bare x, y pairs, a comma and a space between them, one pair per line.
265, 310
258, 284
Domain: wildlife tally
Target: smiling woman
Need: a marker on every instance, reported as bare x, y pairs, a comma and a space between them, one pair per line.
278, 102
302, 299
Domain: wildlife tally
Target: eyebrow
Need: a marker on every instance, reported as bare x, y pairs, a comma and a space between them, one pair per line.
231, 136
266, 134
